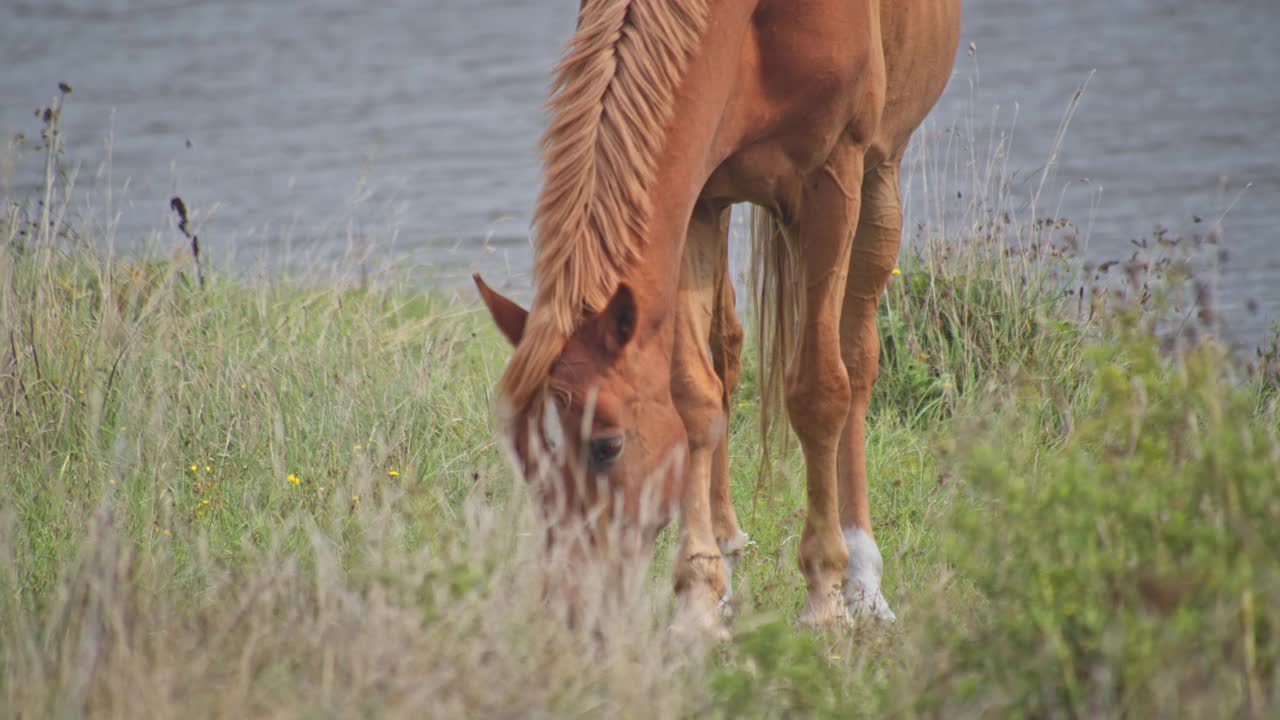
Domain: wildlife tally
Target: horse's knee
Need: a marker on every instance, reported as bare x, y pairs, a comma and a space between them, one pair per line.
698, 394
818, 400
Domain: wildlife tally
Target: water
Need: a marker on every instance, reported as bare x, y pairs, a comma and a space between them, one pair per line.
1181, 119
411, 127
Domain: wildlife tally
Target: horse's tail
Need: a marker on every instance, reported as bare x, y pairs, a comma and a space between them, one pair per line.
777, 287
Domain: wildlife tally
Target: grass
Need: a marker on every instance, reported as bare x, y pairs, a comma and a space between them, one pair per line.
282, 500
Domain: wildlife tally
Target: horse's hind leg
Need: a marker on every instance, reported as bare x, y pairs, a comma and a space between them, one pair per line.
874, 255
726, 356
699, 396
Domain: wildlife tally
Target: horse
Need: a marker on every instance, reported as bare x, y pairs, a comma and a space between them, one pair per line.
662, 115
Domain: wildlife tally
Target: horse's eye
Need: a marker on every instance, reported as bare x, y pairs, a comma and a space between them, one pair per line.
604, 450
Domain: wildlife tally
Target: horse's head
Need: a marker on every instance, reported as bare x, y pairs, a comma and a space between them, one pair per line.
600, 439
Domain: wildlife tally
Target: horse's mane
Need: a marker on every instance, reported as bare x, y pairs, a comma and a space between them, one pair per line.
610, 105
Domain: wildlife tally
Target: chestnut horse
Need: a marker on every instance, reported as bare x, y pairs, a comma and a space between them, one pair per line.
664, 113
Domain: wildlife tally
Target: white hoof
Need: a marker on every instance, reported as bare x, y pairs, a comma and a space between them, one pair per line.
862, 577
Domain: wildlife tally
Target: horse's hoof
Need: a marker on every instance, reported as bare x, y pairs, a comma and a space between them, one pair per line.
825, 610
862, 578
868, 604
697, 629
699, 614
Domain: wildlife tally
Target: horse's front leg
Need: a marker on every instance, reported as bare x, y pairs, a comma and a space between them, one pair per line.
818, 396
874, 255
698, 392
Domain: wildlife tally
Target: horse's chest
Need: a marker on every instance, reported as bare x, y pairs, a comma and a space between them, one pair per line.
772, 171
789, 113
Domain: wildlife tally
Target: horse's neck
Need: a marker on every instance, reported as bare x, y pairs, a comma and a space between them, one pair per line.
692, 149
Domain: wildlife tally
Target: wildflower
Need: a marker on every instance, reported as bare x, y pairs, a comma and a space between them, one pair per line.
194, 468
208, 468
206, 501
295, 479
896, 271
358, 447
393, 473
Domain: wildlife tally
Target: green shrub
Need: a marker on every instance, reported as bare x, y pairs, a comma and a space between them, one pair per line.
1124, 557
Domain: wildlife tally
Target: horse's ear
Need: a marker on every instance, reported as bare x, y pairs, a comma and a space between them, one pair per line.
619, 318
508, 316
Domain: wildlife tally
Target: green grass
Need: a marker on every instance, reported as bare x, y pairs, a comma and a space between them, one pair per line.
155, 547
1073, 523
1124, 553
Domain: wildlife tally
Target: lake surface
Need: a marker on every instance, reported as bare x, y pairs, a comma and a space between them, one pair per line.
405, 132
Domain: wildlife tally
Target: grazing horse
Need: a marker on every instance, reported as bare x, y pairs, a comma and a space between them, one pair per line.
663, 114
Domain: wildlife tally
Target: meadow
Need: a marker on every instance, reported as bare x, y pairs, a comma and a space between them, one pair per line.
232, 498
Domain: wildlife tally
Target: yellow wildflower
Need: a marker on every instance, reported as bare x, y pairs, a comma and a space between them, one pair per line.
358, 447
393, 473
194, 468
208, 468
896, 271
295, 479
